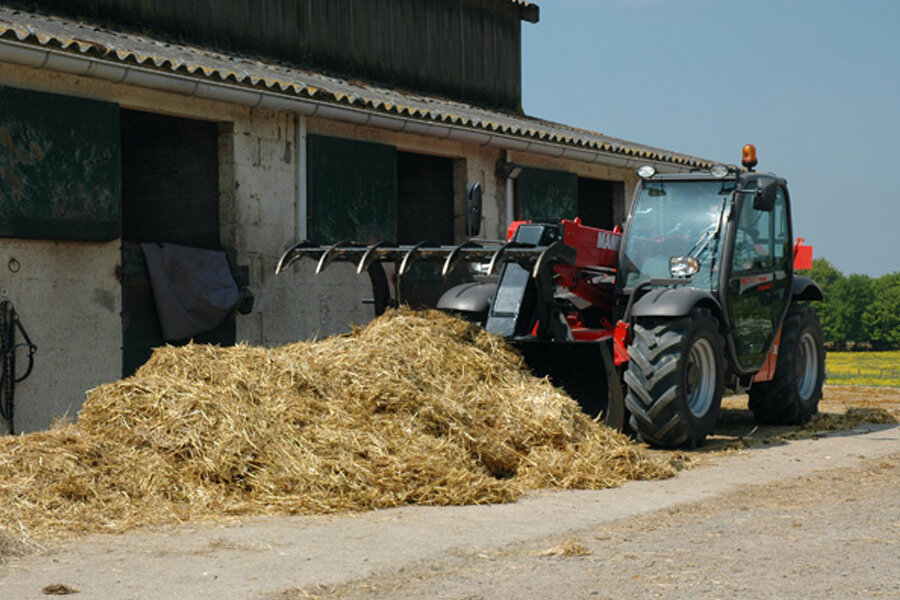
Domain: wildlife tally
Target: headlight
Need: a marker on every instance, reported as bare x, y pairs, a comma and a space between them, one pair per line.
646, 172
683, 266
719, 171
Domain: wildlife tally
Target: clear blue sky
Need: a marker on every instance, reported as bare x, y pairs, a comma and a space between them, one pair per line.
815, 85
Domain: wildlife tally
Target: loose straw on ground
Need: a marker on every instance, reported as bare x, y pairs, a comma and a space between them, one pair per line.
416, 408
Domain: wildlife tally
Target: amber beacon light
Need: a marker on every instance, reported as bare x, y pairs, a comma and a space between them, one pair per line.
749, 158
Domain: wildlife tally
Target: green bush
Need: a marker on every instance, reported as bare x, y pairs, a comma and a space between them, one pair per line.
858, 310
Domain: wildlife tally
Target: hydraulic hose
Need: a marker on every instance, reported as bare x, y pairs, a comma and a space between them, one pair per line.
9, 324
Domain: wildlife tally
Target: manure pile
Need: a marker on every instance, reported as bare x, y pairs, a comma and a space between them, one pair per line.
414, 408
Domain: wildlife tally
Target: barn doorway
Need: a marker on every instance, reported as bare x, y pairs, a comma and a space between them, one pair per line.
424, 213
170, 193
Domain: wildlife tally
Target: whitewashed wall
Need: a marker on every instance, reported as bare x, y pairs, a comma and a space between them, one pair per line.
70, 299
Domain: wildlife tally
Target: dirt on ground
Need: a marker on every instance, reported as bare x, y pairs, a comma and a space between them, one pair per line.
825, 536
841, 408
832, 534
759, 512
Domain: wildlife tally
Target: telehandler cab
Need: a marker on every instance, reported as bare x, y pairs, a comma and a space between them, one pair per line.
646, 326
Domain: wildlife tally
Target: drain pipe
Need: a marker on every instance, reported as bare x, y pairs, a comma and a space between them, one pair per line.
510, 200
509, 171
302, 190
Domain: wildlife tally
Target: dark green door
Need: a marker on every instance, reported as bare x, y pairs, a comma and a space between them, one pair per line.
59, 167
546, 194
424, 213
758, 278
352, 191
595, 202
170, 193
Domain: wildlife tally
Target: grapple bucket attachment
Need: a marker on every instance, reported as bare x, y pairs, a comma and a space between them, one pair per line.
539, 260
527, 255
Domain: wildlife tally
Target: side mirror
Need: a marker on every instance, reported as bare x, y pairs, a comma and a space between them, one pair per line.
765, 198
473, 209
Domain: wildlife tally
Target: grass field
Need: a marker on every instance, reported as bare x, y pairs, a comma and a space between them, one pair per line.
863, 368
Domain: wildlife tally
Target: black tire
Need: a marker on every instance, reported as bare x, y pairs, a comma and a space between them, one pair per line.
675, 379
792, 397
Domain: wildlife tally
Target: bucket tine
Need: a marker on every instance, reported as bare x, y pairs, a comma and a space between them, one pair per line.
408, 258
292, 255
497, 256
368, 257
328, 256
455, 255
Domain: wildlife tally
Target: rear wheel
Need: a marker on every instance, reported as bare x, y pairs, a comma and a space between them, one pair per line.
792, 397
675, 379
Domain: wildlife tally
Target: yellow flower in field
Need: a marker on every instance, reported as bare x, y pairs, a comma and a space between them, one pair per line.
864, 368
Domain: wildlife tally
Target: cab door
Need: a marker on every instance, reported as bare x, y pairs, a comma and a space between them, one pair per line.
758, 274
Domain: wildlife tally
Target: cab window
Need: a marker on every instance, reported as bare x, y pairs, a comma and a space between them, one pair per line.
753, 246
782, 238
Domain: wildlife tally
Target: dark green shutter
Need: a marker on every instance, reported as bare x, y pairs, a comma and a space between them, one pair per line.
546, 194
352, 190
59, 167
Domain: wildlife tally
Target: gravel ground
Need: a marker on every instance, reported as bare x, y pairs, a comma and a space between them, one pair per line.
830, 535
759, 515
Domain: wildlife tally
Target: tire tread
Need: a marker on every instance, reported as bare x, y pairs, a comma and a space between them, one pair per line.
659, 411
777, 402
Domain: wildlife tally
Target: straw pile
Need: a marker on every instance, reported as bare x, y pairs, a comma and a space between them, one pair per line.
414, 408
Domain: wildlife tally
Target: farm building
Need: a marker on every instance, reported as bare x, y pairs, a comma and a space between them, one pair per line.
140, 132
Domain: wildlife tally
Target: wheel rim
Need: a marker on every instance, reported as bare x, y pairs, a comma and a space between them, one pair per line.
807, 366
701, 377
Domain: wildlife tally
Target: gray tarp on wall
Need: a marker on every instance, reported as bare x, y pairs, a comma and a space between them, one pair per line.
193, 288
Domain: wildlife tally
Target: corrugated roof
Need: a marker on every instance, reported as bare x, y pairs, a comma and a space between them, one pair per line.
193, 62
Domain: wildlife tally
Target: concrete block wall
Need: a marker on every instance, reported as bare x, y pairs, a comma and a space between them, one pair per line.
67, 294
69, 300
80, 339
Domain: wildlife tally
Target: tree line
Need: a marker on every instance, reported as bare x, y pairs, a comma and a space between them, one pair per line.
858, 311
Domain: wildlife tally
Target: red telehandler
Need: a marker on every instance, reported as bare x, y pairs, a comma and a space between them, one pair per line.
646, 326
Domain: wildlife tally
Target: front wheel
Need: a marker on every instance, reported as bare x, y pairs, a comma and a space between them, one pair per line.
675, 379
792, 397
